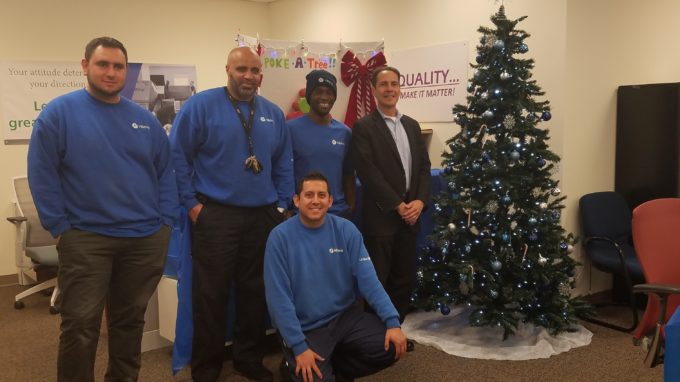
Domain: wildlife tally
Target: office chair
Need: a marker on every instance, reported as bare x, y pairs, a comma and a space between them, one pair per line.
656, 231
606, 222
35, 248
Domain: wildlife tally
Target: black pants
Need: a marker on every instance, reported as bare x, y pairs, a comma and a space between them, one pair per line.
228, 247
352, 344
394, 259
119, 272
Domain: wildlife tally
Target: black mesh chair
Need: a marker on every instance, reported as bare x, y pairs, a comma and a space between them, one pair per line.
606, 222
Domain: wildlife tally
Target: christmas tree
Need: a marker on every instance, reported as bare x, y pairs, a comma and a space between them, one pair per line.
498, 245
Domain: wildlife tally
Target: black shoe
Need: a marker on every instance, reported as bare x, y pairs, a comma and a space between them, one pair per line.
410, 346
254, 371
342, 378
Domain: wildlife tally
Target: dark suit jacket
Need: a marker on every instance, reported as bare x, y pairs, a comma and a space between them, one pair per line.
378, 165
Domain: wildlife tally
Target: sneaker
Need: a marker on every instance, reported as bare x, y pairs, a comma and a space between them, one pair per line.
342, 378
254, 371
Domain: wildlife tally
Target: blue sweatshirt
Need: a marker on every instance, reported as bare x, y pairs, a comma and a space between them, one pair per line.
312, 275
324, 149
101, 167
209, 148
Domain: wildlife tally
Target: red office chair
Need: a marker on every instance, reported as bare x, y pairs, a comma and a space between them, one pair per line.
656, 234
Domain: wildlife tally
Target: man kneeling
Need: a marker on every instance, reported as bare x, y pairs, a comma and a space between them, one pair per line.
314, 266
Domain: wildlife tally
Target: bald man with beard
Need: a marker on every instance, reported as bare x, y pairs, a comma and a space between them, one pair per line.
233, 160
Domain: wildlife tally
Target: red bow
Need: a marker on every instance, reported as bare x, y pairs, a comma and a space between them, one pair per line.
361, 101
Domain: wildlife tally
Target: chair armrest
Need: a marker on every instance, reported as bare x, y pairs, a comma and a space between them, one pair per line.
662, 289
16, 219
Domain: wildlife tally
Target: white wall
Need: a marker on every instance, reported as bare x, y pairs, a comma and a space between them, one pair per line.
583, 49
609, 43
199, 32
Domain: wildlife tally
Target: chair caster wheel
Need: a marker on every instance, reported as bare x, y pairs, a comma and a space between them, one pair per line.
54, 310
18, 304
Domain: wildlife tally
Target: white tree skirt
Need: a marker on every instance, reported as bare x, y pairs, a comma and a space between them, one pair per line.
453, 335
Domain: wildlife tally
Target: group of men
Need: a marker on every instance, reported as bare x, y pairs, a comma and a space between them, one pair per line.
108, 183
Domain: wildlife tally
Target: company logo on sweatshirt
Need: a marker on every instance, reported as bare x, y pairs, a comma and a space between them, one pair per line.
136, 125
336, 142
335, 250
265, 119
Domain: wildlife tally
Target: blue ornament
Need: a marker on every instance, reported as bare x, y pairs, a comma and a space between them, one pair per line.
505, 237
445, 310
455, 196
493, 294
522, 48
476, 166
532, 221
468, 248
532, 117
533, 236
546, 116
486, 157
470, 87
448, 170
564, 246
540, 162
514, 155
506, 199
479, 59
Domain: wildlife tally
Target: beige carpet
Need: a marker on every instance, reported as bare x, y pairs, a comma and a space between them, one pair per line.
28, 352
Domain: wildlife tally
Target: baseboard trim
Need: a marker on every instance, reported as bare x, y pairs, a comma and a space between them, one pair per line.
152, 340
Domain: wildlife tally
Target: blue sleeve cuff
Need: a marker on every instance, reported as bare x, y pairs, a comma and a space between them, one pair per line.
392, 322
299, 348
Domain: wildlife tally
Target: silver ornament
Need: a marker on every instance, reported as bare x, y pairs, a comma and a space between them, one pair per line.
451, 227
485, 95
509, 122
555, 191
570, 248
514, 155
543, 205
542, 260
488, 114
505, 76
496, 265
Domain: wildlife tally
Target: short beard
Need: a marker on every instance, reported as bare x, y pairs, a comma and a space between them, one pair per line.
101, 92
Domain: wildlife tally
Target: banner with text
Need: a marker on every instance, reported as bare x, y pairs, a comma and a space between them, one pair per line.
286, 63
27, 86
433, 79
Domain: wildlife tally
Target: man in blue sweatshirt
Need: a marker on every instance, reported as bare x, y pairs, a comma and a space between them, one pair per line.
100, 172
315, 263
232, 155
321, 143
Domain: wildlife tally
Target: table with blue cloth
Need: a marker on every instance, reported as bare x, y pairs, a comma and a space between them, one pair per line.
671, 358
178, 266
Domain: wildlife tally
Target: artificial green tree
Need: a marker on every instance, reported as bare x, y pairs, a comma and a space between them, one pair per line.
498, 245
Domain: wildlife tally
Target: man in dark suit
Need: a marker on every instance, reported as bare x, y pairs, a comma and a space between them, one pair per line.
393, 166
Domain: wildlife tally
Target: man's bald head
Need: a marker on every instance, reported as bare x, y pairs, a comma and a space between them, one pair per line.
244, 69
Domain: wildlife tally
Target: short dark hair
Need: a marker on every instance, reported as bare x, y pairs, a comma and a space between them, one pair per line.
314, 175
107, 42
374, 75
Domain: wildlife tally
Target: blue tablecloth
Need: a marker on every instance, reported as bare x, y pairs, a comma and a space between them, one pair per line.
671, 362
178, 266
